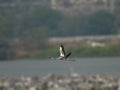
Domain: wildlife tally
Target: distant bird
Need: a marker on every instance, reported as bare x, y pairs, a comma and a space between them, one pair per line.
63, 55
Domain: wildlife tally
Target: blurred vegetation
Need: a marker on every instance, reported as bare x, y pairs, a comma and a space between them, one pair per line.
6, 50
27, 29
98, 23
78, 51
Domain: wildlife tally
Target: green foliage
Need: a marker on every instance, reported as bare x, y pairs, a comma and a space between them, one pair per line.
3, 50
8, 25
98, 23
29, 27
2, 26
20, 21
6, 50
44, 17
88, 51
32, 26
45, 53
79, 51
101, 23
36, 39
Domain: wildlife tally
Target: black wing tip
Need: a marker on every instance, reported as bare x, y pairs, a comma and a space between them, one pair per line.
68, 55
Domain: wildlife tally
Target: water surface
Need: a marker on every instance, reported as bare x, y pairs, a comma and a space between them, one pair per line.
43, 67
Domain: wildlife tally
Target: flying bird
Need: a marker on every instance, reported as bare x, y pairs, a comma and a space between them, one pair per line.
63, 55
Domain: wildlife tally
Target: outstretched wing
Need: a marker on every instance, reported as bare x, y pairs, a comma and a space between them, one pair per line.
67, 55
60, 58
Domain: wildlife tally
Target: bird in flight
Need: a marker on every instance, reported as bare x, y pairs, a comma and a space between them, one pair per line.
63, 55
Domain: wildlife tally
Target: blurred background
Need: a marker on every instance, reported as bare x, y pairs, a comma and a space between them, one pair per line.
34, 28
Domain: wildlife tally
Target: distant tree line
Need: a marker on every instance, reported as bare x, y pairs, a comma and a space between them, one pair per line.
99, 23
30, 27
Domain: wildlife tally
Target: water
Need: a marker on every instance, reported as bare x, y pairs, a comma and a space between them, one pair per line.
40, 68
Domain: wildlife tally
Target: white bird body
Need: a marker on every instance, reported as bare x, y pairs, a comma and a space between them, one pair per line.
62, 53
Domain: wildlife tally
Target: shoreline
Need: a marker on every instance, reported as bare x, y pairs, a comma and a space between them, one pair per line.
73, 81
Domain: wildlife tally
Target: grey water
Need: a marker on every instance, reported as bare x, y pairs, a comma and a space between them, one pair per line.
83, 66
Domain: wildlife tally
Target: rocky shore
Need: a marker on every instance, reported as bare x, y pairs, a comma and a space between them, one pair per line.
61, 82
